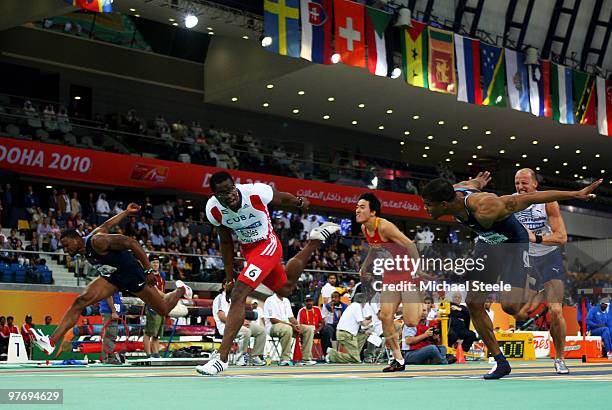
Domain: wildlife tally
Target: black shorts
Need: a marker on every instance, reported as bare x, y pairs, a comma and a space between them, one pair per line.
130, 280
547, 267
507, 262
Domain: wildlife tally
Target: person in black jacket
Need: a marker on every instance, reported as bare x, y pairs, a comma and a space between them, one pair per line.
459, 325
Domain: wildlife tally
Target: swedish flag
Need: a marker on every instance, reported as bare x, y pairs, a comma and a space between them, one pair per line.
281, 23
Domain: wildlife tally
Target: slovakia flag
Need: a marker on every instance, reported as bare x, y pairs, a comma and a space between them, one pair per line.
316, 18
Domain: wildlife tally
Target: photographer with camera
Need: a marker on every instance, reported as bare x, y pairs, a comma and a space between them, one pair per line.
332, 312
420, 343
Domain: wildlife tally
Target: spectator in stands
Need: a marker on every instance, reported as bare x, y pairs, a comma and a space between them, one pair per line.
31, 201
63, 204
50, 118
44, 232
180, 212
89, 210
147, 208
488, 309
25, 332
52, 201
421, 343
311, 315
85, 328
459, 324
154, 322
33, 247
348, 333
599, 323
432, 310
75, 205
118, 208
332, 313
63, 120
102, 209
281, 323
220, 309
48, 320
329, 288
110, 308
5, 246
7, 200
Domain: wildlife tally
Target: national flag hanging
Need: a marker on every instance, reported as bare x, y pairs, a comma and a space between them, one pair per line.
493, 71
350, 32
377, 22
539, 89
517, 79
604, 106
282, 24
414, 54
562, 94
584, 91
467, 51
316, 18
98, 6
441, 61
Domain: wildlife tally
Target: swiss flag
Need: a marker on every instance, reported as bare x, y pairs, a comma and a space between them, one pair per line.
350, 32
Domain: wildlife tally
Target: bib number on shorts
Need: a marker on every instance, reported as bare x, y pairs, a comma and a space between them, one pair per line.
252, 272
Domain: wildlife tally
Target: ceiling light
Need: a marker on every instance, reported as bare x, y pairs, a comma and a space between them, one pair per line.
451, 152
295, 111
175, 24
440, 122
584, 167
575, 175
430, 137
426, 146
396, 72
335, 58
479, 147
557, 172
245, 37
488, 132
381, 127
565, 164
326, 117
266, 41
545, 160
581, 176
209, 28
447, 159
191, 21
454, 142
534, 142
578, 151
415, 117
170, 19
513, 137
469, 163
402, 142
465, 127
603, 171
132, 10
537, 168
301, 92
234, 99
406, 132
474, 156
389, 111
424, 155
49, 186
136, 15
597, 155
518, 164
524, 156
557, 147
331, 99
265, 105
502, 151
210, 33
362, 105
354, 122
270, 86
76, 97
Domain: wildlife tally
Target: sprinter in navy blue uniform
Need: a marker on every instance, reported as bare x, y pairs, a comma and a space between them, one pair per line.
492, 218
123, 266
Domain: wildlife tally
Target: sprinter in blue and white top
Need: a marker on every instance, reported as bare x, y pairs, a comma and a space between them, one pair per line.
504, 244
547, 232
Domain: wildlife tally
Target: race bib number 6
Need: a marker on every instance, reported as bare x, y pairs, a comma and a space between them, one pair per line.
252, 272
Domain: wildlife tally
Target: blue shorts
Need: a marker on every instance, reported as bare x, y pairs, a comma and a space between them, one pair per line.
547, 267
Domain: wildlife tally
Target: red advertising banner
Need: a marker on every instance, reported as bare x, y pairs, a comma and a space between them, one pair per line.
75, 164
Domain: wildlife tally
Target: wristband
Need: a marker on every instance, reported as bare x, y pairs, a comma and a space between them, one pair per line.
538, 239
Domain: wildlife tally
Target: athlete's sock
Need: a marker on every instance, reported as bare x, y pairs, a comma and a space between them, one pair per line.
499, 357
502, 368
400, 361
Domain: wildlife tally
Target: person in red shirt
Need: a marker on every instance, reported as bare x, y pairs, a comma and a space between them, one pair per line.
11, 327
311, 315
4, 336
25, 332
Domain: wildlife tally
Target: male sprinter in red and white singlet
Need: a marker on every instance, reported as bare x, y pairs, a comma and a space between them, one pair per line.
243, 209
382, 234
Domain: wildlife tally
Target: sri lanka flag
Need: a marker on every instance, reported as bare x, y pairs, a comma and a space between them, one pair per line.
467, 52
99, 6
316, 16
282, 24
